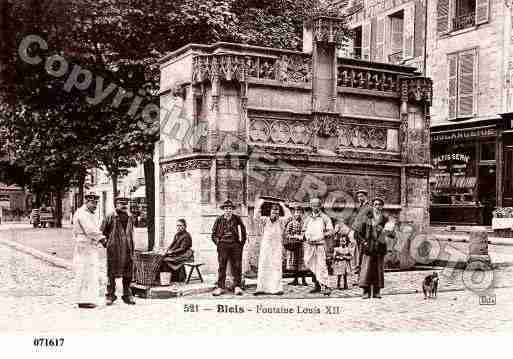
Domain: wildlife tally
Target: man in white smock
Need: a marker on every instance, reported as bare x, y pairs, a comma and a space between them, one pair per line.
270, 258
86, 258
317, 227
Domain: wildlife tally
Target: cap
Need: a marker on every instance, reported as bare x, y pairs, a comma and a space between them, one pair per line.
91, 195
227, 203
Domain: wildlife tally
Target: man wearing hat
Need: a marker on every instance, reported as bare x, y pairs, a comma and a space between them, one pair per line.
359, 217
229, 235
86, 258
118, 227
374, 248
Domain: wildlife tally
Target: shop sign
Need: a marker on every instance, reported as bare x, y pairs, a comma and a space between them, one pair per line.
451, 156
464, 134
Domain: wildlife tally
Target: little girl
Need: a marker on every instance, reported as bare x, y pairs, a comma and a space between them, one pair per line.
342, 256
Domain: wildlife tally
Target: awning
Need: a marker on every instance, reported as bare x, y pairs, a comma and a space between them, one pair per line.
139, 192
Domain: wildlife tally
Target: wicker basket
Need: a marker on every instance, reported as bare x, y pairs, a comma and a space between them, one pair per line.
147, 265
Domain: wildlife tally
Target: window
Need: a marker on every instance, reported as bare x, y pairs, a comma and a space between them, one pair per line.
454, 15
352, 48
462, 77
396, 37
393, 35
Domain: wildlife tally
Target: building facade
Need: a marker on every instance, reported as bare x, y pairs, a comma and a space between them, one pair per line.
468, 44
240, 122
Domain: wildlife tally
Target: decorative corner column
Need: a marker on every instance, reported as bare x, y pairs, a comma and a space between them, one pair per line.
327, 35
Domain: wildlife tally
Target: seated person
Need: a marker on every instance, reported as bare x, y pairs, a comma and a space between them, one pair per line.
178, 253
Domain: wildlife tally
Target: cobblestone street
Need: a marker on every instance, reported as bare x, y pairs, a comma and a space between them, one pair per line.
35, 297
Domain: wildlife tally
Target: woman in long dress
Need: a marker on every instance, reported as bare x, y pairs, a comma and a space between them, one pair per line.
271, 249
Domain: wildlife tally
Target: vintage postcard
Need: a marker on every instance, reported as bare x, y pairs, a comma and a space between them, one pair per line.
231, 167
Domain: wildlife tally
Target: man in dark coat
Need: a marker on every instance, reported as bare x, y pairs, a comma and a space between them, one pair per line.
229, 235
179, 252
359, 217
118, 227
372, 273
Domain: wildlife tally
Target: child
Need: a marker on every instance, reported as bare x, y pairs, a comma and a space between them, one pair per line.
342, 256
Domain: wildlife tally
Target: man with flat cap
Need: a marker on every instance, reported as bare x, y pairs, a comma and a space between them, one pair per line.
86, 257
118, 227
229, 235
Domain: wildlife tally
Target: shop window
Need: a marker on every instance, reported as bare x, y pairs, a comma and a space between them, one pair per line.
454, 175
462, 87
488, 151
454, 15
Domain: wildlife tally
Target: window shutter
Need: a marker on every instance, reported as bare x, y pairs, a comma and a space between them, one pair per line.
466, 86
366, 40
442, 9
453, 84
380, 40
482, 11
408, 31
396, 35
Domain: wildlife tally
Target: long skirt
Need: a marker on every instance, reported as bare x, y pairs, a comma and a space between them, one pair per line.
315, 260
86, 265
372, 271
270, 267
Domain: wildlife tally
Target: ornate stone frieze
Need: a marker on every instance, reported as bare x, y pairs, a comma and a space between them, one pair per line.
374, 156
325, 125
419, 172
328, 30
185, 165
286, 68
279, 131
362, 78
417, 89
230, 163
361, 137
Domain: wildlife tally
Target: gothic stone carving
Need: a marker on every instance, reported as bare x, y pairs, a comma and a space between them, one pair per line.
417, 89
287, 68
279, 131
418, 172
361, 78
185, 165
327, 29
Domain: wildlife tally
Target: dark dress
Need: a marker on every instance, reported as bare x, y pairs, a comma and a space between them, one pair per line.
178, 253
372, 271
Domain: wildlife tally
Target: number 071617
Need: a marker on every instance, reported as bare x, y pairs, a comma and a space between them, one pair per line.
48, 342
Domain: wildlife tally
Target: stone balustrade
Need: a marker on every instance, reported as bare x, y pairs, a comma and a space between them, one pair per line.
286, 67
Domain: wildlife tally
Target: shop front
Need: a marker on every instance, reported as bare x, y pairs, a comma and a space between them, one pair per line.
464, 172
472, 171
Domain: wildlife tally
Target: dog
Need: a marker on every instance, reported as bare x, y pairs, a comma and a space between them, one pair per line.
430, 286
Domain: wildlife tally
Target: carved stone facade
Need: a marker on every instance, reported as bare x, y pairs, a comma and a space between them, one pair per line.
292, 125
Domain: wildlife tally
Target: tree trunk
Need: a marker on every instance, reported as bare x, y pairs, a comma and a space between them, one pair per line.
149, 180
114, 178
58, 209
81, 182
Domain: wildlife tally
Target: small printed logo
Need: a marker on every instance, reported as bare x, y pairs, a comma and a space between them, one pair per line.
487, 299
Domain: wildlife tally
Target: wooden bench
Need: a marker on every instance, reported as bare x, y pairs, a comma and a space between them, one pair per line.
193, 266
